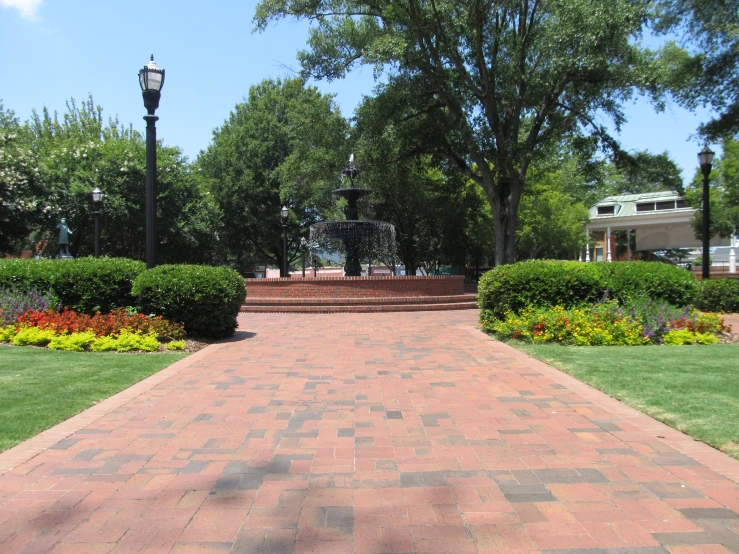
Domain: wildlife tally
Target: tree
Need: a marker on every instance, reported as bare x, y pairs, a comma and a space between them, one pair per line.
80, 151
724, 193
552, 220
440, 216
21, 191
706, 70
283, 145
643, 172
512, 76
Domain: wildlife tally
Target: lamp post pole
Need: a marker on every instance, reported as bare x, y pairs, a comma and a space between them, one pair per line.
151, 79
97, 200
303, 248
283, 214
705, 157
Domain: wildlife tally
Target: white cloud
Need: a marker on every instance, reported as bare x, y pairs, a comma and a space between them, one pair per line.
27, 8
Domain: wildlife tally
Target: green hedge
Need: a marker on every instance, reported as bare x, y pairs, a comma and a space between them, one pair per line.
511, 288
718, 295
205, 299
655, 280
84, 285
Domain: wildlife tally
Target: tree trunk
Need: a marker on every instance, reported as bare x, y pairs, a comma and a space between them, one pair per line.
504, 197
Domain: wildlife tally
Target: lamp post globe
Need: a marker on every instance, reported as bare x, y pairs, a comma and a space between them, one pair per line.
97, 200
705, 159
151, 79
283, 217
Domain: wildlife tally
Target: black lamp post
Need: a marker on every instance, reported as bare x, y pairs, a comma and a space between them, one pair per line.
151, 79
283, 215
705, 157
303, 247
97, 201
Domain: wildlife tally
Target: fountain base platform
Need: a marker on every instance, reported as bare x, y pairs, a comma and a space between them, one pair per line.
357, 294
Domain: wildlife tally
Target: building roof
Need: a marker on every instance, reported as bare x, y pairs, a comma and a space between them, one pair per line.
625, 205
646, 196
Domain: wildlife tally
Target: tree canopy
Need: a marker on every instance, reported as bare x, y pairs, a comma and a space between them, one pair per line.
284, 145
706, 70
512, 76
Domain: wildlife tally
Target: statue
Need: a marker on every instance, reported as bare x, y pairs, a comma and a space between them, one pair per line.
64, 233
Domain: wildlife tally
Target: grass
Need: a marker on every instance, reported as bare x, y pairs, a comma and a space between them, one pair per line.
694, 389
39, 387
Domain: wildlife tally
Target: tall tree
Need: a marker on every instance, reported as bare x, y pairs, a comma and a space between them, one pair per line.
724, 193
705, 70
513, 76
22, 194
79, 151
283, 145
440, 216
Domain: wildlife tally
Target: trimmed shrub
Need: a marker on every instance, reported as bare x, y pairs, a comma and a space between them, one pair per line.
654, 280
539, 283
547, 283
718, 295
206, 300
86, 285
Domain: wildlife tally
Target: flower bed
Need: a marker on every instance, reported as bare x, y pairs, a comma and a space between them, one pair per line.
608, 323
119, 331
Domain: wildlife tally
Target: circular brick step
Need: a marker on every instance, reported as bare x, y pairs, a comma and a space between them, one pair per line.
358, 308
366, 301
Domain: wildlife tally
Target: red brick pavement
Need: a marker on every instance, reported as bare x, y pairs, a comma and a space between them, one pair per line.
368, 433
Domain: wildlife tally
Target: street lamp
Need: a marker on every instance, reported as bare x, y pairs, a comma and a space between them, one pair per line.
151, 79
303, 247
705, 158
97, 200
283, 215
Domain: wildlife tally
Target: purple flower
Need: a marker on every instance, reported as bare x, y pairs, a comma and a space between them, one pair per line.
15, 302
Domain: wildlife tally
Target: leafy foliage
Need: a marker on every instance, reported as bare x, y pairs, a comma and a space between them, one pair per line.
21, 189
546, 283
609, 324
705, 71
206, 300
724, 193
101, 325
718, 295
86, 285
15, 302
511, 77
283, 146
54, 162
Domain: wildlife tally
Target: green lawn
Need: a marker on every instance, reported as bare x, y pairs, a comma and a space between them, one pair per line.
692, 388
39, 387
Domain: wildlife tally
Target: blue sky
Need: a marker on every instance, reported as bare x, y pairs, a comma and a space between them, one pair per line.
51, 50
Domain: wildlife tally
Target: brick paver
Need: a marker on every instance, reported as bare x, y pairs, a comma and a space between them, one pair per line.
368, 433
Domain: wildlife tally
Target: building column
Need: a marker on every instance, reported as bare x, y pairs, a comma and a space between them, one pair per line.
608, 243
628, 244
732, 254
587, 244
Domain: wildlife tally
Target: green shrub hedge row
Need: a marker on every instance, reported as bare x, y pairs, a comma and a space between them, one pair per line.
718, 295
206, 300
84, 285
511, 288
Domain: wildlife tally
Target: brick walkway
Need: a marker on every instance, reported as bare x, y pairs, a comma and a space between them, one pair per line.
367, 433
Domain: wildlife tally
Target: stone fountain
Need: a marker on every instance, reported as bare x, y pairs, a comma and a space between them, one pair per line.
360, 239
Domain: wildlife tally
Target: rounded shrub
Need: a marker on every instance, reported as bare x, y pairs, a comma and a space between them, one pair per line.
84, 285
545, 283
539, 283
206, 300
718, 295
655, 280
